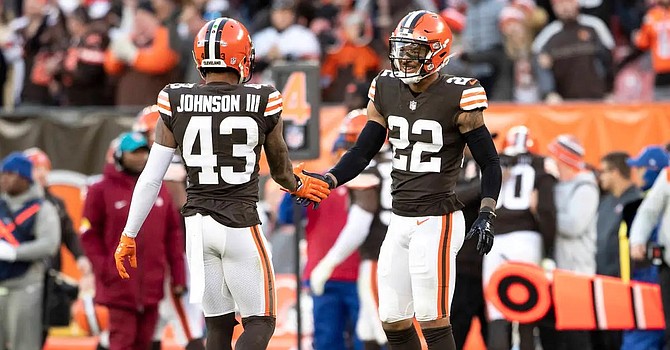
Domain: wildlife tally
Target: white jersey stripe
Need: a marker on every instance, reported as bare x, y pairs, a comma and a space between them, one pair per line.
473, 98
475, 106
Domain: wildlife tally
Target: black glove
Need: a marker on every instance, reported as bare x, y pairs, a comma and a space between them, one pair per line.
483, 229
306, 202
327, 179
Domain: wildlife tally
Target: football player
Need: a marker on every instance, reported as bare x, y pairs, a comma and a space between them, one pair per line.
430, 117
525, 222
367, 221
174, 309
220, 127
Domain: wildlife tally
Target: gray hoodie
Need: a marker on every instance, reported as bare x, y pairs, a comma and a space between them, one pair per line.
576, 217
47, 238
655, 208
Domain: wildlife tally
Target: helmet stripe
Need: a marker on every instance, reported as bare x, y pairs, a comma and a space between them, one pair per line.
217, 39
409, 22
207, 35
212, 44
416, 19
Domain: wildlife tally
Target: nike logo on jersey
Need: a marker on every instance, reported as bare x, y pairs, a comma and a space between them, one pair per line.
419, 222
120, 204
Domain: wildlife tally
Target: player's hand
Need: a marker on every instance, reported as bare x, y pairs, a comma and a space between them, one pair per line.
483, 229
178, 291
125, 249
84, 265
308, 187
638, 251
327, 179
320, 275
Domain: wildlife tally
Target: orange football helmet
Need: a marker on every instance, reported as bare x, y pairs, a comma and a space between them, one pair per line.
224, 43
145, 122
518, 141
419, 46
351, 127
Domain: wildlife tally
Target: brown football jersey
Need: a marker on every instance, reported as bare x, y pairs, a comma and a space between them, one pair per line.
524, 174
427, 144
220, 129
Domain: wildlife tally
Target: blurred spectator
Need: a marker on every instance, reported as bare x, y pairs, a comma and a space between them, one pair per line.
603, 9
284, 39
651, 161
519, 22
390, 12
655, 208
456, 22
483, 48
142, 60
169, 13
11, 63
192, 21
629, 14
30, 234
45, 41
82, 73
653, 36
132, 303
69, 237
615, 178
576, 197
352, 60
573, 56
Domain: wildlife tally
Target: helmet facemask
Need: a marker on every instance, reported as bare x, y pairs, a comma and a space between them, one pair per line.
412, 60
408, 59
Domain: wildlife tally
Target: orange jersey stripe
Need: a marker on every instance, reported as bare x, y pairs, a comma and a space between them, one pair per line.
161, 104
470, 94
268, 278
373, 283
443, 268
483, 100
274, 108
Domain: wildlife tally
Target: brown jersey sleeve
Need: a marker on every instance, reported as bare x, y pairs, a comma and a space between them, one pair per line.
374, 92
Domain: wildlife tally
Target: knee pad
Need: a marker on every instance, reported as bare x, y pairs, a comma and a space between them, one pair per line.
260, 328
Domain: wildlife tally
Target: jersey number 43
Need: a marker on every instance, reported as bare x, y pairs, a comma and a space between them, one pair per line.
207, 161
